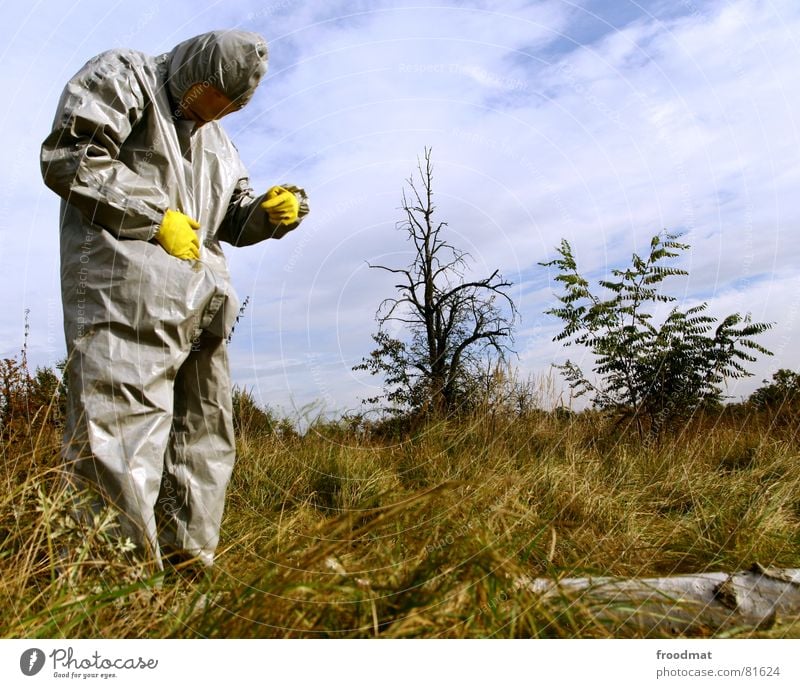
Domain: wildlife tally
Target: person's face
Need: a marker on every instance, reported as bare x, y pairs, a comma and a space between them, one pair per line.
203, 103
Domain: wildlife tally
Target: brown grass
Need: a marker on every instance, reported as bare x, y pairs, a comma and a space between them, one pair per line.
339, 533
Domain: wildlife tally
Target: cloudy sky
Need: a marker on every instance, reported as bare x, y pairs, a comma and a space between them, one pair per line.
602, 121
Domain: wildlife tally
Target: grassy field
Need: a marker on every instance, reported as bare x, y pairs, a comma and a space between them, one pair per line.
342, 533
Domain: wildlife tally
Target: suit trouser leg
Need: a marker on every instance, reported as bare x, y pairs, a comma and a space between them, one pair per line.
120, 408
200, 453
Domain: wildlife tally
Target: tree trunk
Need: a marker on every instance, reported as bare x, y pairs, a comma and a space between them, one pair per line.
756, 598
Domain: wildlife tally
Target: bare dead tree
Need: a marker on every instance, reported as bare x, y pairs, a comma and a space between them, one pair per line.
452, 324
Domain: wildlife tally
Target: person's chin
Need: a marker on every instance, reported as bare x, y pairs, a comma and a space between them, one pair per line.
194, 117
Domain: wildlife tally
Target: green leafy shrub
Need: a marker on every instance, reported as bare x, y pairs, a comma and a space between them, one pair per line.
657, 374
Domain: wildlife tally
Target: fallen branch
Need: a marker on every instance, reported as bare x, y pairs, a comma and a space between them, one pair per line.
755, 598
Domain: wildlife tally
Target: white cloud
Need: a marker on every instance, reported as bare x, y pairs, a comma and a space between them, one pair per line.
683, 120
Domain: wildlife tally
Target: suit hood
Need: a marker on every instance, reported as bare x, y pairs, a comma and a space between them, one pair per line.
233, 62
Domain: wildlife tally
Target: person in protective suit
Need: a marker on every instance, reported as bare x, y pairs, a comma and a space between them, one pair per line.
150, 185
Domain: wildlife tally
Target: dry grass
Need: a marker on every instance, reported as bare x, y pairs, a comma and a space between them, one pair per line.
339, 534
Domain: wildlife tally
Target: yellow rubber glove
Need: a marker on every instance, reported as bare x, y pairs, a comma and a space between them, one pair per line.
176, 234
282, 206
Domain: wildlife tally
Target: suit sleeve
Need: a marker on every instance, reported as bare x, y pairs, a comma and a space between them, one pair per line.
98, 109
246, 222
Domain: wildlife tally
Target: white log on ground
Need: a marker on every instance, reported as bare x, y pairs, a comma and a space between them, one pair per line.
756, 598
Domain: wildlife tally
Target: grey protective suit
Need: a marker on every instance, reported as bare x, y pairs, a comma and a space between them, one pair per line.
150, 423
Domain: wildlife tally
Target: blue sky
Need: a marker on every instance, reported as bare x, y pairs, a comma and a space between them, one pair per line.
601, 122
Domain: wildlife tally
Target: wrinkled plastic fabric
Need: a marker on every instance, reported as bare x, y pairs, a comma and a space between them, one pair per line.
149, 424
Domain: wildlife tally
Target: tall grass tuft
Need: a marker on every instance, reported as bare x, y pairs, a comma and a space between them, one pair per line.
350, 529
